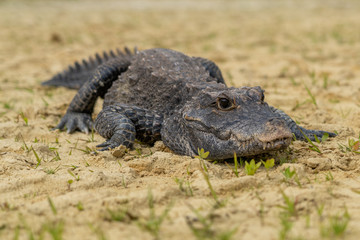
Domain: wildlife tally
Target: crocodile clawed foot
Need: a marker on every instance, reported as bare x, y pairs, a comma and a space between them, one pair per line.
74, 120
107, 145
114, 142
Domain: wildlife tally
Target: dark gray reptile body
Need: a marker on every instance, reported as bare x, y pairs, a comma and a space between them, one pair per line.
163, 94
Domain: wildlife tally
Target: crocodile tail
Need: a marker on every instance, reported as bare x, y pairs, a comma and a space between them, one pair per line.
78, 73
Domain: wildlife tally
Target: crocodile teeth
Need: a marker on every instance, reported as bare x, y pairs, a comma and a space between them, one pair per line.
249, 143
264, 146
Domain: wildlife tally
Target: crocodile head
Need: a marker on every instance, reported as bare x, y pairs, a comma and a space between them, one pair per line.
232, 120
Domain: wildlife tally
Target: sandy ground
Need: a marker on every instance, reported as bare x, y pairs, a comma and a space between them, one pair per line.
52, 187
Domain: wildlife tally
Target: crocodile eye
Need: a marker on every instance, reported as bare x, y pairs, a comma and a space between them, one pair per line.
224, 104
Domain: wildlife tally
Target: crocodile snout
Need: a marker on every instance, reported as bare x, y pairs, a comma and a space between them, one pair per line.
276, 135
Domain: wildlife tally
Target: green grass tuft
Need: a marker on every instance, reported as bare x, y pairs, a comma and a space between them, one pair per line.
252, 167
235, 169
153, 223
24, 118
313, 146
312, 97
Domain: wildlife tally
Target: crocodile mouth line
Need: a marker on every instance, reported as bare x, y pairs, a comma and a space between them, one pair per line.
254, 143
276, 144
251, 146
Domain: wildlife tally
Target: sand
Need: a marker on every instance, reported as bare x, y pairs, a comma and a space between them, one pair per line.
53, 186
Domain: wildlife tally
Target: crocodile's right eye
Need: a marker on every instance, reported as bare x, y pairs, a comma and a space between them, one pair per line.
224, 104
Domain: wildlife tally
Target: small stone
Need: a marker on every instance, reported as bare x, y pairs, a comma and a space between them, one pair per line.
119, 151
159, 146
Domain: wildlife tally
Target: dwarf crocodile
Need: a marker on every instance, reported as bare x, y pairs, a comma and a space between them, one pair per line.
162, 94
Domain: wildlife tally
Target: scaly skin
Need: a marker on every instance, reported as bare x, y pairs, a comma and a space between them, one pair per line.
163, 94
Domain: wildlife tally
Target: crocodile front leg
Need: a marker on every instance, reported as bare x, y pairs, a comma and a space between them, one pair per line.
121, 124
78, 115
300, 131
